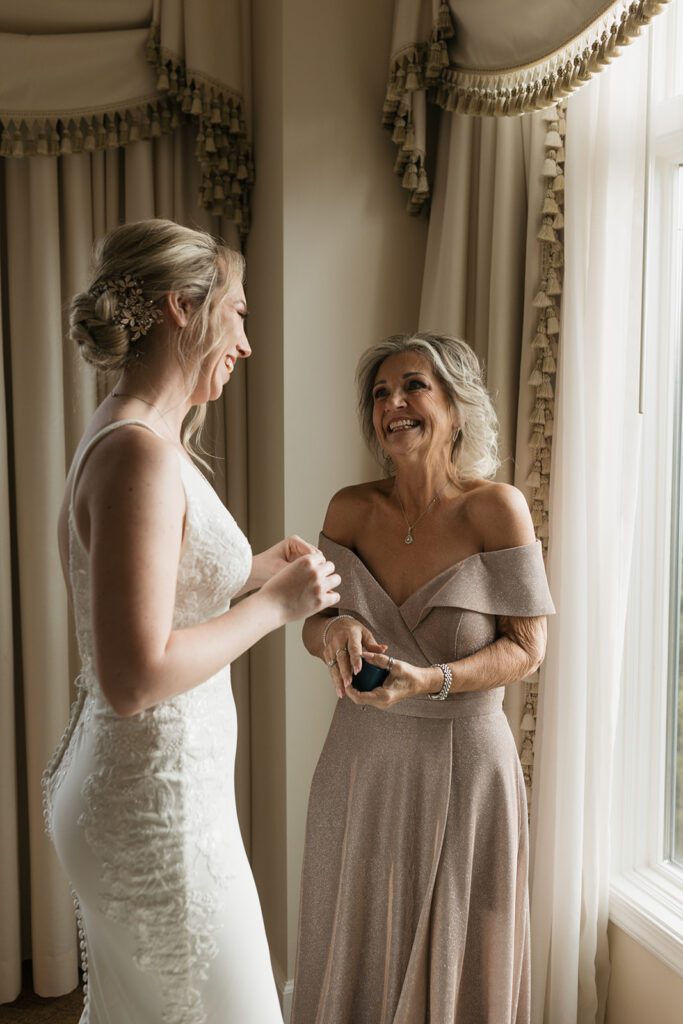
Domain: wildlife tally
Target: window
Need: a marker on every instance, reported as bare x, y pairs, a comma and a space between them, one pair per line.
647, 850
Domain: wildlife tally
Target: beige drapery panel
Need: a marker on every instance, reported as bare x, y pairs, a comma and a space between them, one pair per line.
86, 77
493, 57
52, 210
482, 272
53, 204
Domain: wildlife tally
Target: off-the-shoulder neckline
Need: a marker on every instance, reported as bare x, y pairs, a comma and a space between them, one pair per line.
445, 572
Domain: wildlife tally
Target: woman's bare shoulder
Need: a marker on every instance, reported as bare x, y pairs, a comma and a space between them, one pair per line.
350, 507
501, 514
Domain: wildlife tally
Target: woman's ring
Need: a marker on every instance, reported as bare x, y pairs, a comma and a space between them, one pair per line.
340, 651
331, 663
390, 663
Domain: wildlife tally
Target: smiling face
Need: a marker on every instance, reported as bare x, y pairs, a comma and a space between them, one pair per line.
411, 410
229, 344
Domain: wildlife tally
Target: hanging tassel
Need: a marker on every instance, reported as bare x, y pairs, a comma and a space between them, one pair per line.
444, 22
558, 183
549, 167
554, 286
540, 341
410, 179
196, 107
552, 325
112, 135
17, 145
173, 82
538, 413
536, 515
89, 143
528, 723
536, 378
558, 222
544, 492
412, 78
65, 144
162, 80
559, 156
215, 113
548, 428
527, 755
541, 300
546, 389
552, 139
549, 204
41, 145
134, 130
545, 465
548, 365
209, 142
536, 440
399, 133
547, 234
549, 114
422, 183
534, 478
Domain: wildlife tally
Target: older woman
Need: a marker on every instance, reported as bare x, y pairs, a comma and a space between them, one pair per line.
414, 901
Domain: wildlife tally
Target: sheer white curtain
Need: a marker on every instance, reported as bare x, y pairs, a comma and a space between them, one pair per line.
592, 510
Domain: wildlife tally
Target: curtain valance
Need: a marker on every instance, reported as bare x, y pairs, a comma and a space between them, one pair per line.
106, 75
494, 57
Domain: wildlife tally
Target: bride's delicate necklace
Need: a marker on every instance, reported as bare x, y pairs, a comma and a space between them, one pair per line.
123, 394
408, 539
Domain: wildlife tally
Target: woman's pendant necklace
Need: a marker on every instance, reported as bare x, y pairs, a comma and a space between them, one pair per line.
408, 539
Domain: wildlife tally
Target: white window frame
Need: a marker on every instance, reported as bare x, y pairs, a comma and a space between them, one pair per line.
646, 893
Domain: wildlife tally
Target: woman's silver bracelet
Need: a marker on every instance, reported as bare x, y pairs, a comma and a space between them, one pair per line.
447, 683
335, 618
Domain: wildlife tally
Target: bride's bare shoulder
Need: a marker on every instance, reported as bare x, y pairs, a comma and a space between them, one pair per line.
350, 507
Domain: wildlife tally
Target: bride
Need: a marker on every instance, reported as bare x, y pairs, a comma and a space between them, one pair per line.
139, 798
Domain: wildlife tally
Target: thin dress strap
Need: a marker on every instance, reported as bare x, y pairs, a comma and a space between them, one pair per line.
93, 441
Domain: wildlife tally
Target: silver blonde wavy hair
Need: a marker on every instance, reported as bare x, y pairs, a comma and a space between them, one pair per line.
164, 257
475, 452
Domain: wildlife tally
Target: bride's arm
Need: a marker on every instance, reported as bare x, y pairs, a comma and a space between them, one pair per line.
130, 516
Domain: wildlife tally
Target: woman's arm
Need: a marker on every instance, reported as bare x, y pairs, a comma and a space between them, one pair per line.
131, 518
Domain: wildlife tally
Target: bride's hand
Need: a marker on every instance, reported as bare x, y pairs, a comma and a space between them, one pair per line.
269, 562
404, 681
304, 587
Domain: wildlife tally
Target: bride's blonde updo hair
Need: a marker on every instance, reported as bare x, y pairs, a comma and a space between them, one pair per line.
156, 257
161, 257
474, 455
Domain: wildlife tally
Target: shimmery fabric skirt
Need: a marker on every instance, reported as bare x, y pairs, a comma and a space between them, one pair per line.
414, 904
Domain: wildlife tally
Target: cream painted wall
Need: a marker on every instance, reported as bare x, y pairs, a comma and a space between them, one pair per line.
334, 264
642, 990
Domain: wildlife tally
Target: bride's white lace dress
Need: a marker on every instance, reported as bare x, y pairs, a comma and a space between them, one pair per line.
142, 813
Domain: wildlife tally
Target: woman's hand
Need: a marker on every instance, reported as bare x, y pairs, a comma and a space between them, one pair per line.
303, 587
404, 680
271, 561
345, 641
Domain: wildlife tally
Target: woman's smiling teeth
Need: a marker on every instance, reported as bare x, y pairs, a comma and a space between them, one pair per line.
402, 425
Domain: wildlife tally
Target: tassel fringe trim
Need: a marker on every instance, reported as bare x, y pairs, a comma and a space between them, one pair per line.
222, 146
426, 66
545, 348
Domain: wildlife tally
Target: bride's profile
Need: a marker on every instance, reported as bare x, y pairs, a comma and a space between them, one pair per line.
139, 797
